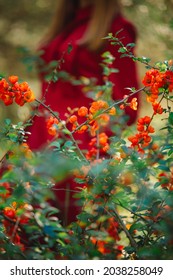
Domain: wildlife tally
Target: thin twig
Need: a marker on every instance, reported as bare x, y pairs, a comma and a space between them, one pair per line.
15, 229
67, 190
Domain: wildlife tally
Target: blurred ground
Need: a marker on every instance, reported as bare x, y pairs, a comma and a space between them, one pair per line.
23, 22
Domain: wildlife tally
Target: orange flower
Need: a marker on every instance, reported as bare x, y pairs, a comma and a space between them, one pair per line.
73, 119
13, 79
7, 99
157, 108
112, 111
152, 98
83, 111
91, 153
82, 129
101, 245
97, 106
74, 127
29, 96
23, 86
134, 104
104, 119
94, 128
140, 127
9, 212
24, 147
144, 120
134, 140
51, 124
52, 131
4, 85
19, 99
122, 106
103, 145
103, 138
150, 77
150, 129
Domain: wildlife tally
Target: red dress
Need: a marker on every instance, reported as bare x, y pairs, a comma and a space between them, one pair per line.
83, 62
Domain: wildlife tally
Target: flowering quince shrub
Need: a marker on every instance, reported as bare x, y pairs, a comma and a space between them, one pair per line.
124, 181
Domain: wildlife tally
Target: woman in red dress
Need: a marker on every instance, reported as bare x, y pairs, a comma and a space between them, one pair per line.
82, 24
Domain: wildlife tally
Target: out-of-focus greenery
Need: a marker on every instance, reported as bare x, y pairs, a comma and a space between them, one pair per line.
154, 22
22, 23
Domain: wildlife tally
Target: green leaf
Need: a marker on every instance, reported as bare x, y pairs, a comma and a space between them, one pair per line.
170, 152
2, 76
19, 191
66, 131
53, 64
55, 144
137, 226
170, 118
55, 78
69, 144
131, 45
122, 50
3, 191
49, 230
164, 167
157, 184
106, 54
13, 137
7, 121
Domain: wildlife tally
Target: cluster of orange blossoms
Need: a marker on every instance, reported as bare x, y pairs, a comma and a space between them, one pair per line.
98, 115
98, 143
156, 82
13, 217
51, 125
142, 139
95, 116
11, 90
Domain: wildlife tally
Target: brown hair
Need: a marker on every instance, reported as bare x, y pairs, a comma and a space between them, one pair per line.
102, 15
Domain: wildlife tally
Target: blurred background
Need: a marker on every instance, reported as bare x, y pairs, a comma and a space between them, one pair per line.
23, 22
